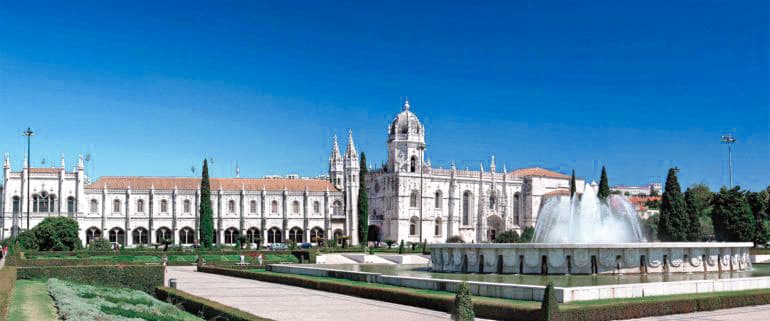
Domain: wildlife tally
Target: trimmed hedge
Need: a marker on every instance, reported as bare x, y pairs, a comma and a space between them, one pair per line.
484, 309
137, 277
204, 308
499, 309
7, 281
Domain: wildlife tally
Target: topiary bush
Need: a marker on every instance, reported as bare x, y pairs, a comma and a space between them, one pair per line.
462, 309
509, 236
401, 247
138, 277
549, 308
100, 244
455, 239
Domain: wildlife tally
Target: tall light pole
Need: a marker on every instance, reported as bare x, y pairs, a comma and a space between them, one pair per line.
29, 133
729, 140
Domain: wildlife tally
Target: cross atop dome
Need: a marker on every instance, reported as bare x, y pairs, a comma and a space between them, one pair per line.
406, 103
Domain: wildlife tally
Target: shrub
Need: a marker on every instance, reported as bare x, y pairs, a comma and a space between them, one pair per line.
390, 243
57, 233
401, 247
455, 239
549, 307
100, 244
509, 236
462, 309
204, 308
138, 277
27, 240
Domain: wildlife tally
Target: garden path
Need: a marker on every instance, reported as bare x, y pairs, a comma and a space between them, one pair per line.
283, 302
31, 302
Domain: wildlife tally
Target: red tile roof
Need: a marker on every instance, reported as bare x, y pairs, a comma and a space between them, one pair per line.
187, 183
558, 192
537, 171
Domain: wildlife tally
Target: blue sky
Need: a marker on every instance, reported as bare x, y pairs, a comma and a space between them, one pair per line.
152, 89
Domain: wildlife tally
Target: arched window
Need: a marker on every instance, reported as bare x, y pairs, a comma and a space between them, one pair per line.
16, 204
231, 206
295, 207
140, 206
413, 199
437, 227
162, 234
466, 207
516, 204
92, 233
253, 207
413, 164
438, 199
253, 236
338, 234
295, 234
492, 202
163, 206
186, 206
316, 235
186, 236
94, 207
316, 207
231, 235
274, 235
71, 205
43, 203
337, 208
413, 226
274, 207
140, 236
116, 206
118, 236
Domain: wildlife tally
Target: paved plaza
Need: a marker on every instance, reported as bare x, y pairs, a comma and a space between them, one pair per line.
283, 302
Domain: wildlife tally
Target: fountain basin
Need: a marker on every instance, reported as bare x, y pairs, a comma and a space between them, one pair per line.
591, 258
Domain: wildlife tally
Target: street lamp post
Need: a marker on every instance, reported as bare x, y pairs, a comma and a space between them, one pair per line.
29, 133
729, 140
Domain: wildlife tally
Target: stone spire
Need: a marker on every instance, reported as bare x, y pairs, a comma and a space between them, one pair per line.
351, 150
80, 162
237, 170
335, 150
492, 167
25, 164
62, 165
7, 161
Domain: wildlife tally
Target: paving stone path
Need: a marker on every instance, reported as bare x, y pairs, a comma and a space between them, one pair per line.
753, 313
283, 302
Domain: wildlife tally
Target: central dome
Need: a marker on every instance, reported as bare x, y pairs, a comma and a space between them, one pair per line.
405, 125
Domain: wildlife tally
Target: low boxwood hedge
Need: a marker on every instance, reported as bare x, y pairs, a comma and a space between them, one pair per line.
138, 277
501, 309
7, 281
204, 308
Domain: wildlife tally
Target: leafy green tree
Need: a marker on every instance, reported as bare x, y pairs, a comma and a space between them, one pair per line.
702, 197
206, 225
57, 234
509, 236
758, 203
732, 217
27, 240
549, 307
674, 222
401, 247
363, 203
572, 185
651, 227
604, 186
462, 309
693, 217
100, 243
527, 235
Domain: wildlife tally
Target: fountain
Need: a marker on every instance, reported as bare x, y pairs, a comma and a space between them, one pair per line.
586, 219
584, 235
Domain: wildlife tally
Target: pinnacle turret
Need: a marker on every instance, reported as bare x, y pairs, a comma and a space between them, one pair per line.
351, 150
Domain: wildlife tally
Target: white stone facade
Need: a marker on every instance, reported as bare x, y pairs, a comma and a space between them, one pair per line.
409, 200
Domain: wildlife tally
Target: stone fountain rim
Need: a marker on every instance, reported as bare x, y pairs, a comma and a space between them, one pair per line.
640, 245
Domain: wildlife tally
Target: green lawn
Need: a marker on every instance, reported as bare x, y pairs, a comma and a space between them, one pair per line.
31, 302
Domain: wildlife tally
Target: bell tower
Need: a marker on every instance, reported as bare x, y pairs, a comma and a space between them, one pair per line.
406, 142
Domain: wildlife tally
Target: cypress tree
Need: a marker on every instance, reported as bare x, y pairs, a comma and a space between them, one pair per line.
674, 222
462, 309
206, 225
549, 307
572, 185
604, 186
732, 217
693, 217
363, 203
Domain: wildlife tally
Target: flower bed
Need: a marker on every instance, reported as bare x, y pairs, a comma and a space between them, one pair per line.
86, 302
